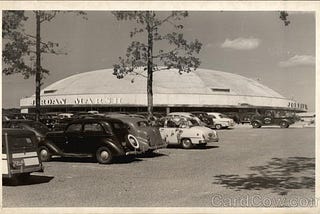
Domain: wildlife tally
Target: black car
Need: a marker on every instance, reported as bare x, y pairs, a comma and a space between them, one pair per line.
38, 128
269, 119
19, 154
205, 118
102, 138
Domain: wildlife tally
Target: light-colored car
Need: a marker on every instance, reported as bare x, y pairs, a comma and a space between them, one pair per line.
65, 115
221, 120
187, 115
186, 132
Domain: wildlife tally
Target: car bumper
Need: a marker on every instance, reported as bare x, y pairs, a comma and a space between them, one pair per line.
213, 140
136, 152
24, 170
145, 146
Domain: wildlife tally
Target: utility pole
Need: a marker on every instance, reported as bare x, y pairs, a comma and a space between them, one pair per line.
150, 65
38, 65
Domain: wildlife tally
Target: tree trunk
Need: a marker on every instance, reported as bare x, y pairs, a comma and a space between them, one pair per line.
150, 66
38, 66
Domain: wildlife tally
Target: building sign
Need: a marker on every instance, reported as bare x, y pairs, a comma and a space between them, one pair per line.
297, 105
78, 101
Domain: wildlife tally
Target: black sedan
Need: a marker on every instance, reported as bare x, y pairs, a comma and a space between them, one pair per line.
102, 138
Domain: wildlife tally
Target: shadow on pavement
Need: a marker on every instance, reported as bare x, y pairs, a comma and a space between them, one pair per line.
151, 155
279, 175
194, 148
116, 160
33, 179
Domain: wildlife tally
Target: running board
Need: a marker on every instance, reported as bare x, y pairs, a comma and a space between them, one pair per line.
77, 155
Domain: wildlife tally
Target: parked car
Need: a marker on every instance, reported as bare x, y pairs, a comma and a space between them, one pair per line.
60, 124
205, 118
102, 138
186, 132
187, 115
65, 115
148, 136
19, 154
270, 119
221, 121
38, 128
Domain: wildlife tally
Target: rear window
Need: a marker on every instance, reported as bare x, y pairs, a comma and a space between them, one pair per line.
18, 142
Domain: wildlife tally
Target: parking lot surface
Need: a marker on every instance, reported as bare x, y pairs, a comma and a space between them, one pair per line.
248, 167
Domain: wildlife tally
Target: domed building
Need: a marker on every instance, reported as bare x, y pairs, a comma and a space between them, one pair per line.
200, 90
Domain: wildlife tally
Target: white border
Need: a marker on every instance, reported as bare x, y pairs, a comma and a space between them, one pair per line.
177, 5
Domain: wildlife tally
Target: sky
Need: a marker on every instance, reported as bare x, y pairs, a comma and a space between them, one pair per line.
256, 45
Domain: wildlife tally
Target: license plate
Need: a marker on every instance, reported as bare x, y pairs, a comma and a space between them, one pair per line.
31, 161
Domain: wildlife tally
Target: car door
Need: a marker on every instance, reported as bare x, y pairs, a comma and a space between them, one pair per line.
93, 134
169, 132
74, 137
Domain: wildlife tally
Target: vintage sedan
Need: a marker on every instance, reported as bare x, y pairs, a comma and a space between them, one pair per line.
186, 132
38, 128
19, 154
148, 136
101, 138
272, 119
221, 120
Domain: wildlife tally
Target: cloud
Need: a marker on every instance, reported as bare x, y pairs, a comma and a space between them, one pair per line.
298, 60
241, 43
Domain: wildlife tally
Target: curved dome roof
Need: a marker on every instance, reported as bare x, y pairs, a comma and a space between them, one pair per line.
201, 81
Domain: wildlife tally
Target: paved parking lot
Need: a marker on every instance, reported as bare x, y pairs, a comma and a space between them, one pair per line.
267, 163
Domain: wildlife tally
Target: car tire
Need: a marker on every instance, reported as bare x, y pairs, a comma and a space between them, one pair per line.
218, 126
186, 143
104, 155
44, 154
256, 124
284, 124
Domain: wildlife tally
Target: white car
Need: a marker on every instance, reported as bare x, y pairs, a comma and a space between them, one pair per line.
186, 132
65, 115
185, 114
221, 120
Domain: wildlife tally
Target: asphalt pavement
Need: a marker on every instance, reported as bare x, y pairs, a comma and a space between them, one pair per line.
267, 167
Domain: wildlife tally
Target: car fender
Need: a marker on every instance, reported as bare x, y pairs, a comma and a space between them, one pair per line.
286, 120
51, 147
192, 135
259, 121
118, 150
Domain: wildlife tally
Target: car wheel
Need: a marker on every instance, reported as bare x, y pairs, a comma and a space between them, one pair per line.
218, 126
284, 124
186, 143
104, 155
44, 154
255, 124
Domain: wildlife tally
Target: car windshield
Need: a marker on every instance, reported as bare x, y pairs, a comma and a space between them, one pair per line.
38, 126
